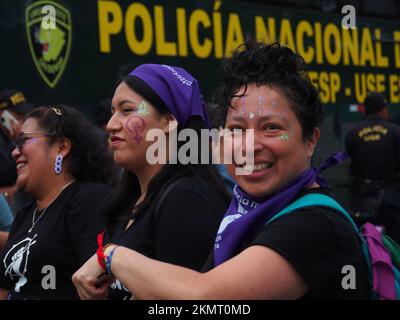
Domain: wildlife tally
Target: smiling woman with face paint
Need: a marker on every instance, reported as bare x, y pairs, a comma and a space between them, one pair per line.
259, 253
62, 163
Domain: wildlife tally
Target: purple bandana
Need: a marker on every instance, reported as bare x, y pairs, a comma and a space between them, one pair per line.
178, 89
247, 214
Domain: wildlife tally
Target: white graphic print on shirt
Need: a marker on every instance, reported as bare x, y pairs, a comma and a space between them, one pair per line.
117, 285
16, 261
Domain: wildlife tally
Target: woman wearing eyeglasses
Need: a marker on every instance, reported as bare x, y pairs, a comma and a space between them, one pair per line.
63, 166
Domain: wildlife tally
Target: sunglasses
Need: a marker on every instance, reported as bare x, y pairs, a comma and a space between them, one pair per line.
22, 138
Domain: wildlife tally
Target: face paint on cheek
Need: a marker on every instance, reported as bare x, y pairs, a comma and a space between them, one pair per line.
143, 109
284, 137
136, 126
243, 105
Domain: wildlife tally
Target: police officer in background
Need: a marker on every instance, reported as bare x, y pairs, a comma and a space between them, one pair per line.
13, 108
374, 148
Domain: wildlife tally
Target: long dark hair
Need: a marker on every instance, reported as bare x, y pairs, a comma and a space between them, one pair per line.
128, 190
89, 158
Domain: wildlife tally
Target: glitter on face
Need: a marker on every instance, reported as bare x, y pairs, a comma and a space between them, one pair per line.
284, 137
260, 105
143, 109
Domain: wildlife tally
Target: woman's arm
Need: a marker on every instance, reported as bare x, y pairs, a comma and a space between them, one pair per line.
3, 239
3, 294
256, 273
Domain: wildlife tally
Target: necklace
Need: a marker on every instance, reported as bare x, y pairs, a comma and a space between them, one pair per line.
34, 217
34, 220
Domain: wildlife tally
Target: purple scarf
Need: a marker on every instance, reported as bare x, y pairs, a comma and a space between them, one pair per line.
247, 214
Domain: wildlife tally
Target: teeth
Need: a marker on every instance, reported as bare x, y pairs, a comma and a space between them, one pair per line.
21, 164
258, 167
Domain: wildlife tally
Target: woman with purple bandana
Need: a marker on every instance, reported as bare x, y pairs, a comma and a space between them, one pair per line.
300, 255
166, 211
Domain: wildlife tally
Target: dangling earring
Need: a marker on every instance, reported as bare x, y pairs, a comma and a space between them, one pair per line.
58, 164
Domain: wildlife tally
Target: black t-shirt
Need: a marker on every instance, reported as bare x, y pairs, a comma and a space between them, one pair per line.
318, 242
374, 148
63, 238
182, 232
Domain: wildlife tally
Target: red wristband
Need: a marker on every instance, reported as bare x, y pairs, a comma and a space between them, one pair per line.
100, 253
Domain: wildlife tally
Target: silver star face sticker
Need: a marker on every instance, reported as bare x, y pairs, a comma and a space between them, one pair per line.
251, 115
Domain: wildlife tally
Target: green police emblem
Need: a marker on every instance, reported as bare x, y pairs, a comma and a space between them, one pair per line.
49, 33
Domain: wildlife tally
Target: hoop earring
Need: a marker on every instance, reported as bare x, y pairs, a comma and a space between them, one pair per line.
58, 164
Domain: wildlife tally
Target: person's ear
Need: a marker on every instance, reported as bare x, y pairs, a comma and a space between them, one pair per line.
312, 141
171, 124
64, 146
385, 113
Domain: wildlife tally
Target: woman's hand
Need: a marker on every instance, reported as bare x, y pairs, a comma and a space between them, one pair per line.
90, 281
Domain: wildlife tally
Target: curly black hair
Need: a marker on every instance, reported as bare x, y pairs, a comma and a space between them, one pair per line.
275, 65
89, 158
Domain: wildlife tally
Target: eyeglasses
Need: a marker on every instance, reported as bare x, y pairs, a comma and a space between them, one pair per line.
22, 138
